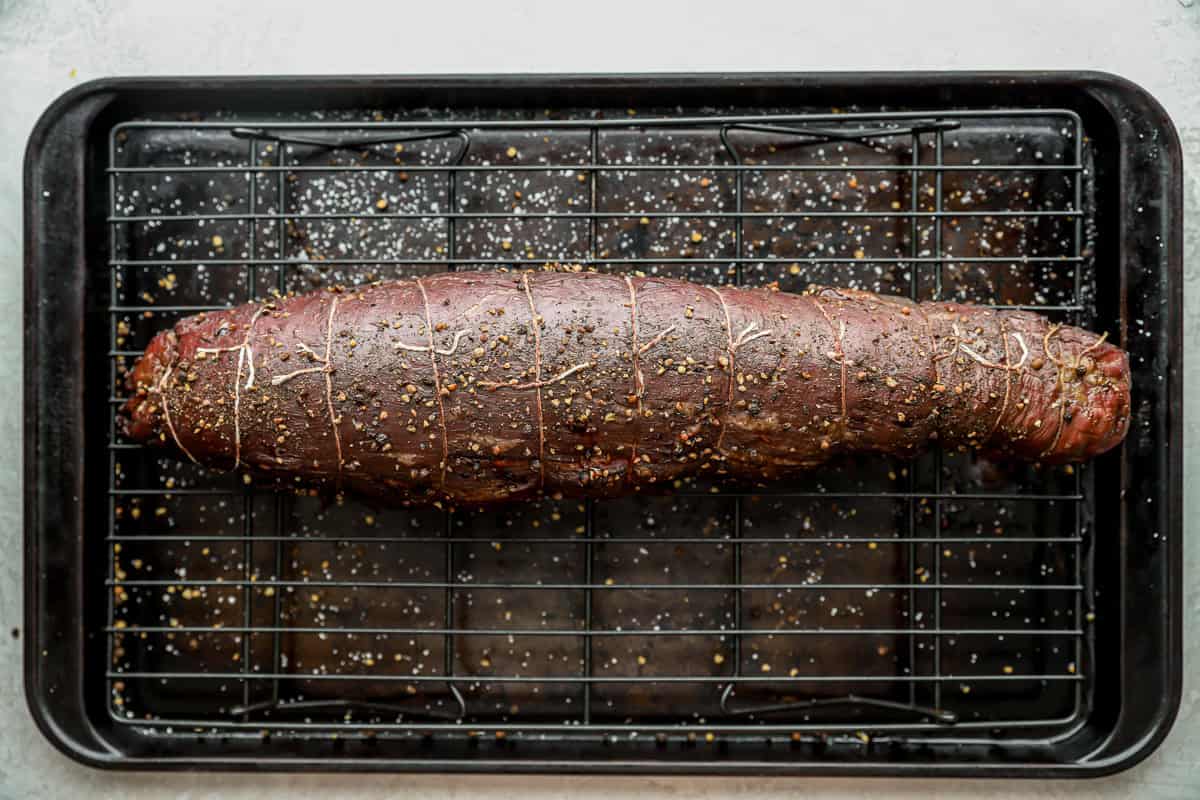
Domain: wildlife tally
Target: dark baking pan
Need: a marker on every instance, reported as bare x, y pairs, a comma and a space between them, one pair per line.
944, 616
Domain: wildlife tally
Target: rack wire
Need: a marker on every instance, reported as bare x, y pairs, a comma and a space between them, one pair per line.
218, 592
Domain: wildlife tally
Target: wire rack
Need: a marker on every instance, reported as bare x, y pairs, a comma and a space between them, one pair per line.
939, 597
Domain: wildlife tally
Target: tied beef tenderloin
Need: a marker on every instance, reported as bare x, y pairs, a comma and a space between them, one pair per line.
497, 386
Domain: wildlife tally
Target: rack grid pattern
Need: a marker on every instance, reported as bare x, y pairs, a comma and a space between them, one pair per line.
422, 195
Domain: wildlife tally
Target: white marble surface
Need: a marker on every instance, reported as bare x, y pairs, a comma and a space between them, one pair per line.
47, 47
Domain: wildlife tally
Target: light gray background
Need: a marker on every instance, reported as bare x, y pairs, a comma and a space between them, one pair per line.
47, 47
